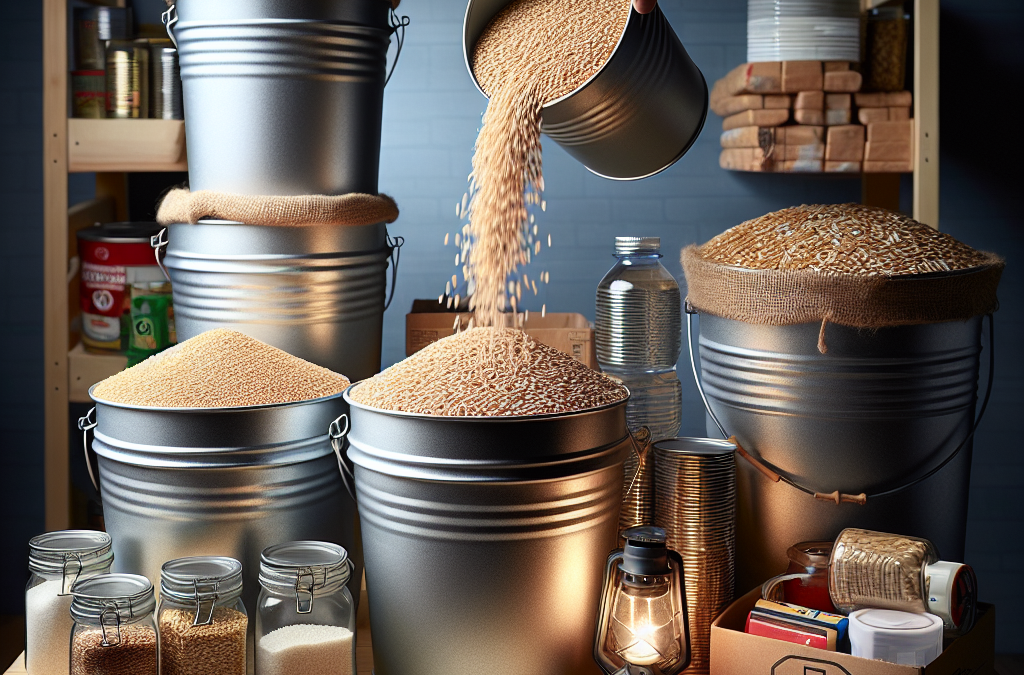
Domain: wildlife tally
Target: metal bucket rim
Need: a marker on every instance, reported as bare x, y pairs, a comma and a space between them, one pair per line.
218, 410
490, 419
467, 48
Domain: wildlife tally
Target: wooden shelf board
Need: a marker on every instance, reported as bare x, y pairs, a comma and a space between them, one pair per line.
86, 369
126, 145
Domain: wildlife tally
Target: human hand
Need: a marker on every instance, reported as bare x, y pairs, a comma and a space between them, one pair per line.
644, 6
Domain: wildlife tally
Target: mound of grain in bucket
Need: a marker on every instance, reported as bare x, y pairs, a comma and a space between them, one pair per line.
218, 369
488, 372
531, 53
841, 239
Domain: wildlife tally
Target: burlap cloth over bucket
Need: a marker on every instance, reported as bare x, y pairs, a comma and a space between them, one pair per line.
306, 274
853, 396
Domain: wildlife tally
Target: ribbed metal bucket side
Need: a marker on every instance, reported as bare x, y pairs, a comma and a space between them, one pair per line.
638, 115
486, 537
317, 295
283, 98
878, 410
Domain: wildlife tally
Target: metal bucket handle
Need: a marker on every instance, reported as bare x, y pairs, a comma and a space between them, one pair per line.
85, 425
159, 242
169, 18
395, 244
641, 442
776, 475
398, 25
338, 434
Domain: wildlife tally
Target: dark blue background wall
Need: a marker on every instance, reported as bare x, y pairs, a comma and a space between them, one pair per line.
432, 113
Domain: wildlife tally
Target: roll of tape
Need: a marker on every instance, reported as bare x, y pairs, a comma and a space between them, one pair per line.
897, 637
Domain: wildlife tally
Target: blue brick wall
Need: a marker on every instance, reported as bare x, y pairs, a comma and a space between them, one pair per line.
432, 113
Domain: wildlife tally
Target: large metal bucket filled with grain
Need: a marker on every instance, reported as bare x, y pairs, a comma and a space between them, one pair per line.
484, 538
283, 97
858, 425
637, 115
180, 482
316, 291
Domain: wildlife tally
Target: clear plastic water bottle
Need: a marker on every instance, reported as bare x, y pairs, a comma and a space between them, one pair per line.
639, 334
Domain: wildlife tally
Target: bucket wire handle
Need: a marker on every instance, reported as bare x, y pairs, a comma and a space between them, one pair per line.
396, 253
641, 442
775, 475
159, 243
398, 25
85, 425
338, 434
169, 18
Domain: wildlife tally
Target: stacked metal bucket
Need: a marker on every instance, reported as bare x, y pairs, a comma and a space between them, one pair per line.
282, 97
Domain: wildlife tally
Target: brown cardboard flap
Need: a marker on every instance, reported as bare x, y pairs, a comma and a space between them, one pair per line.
734, 652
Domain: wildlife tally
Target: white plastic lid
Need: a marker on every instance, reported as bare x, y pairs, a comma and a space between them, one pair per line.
952, 594
897, 637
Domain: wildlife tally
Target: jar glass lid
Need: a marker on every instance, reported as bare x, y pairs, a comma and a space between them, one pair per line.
119, 596
318, 566
69, 552
187, 579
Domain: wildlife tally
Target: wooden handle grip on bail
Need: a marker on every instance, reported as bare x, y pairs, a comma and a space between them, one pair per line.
840, 497
771, 475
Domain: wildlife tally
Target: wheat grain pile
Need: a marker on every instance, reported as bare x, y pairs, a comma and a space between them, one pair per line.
488, 372
532, 52
220, 368
840, 239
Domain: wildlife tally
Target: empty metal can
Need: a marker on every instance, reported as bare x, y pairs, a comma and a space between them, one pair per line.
638, 115
179, 482
485, 538
164, 81
127, 79
316, 291
93, 27
283, 97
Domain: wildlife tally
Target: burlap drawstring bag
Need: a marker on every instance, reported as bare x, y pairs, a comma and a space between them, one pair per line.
821, 291
182, 206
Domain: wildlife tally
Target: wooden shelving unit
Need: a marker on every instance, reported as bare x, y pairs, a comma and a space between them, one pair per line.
110, 148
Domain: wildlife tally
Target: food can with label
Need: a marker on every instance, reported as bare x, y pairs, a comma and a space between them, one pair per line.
117, 265
127, 79
88, 93
93, 27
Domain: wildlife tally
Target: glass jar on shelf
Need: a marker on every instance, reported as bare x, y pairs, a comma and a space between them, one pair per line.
202, 620
306, 620
114, 630
56, 560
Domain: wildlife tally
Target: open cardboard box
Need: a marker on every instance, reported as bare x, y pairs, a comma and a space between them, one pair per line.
734, 652
567, 332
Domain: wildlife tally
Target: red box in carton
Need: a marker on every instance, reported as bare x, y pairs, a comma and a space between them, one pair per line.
734, 652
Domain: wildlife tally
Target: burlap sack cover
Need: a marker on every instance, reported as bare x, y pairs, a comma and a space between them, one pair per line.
780, 297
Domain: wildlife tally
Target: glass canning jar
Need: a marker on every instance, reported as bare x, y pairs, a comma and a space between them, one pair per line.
56, 560
202, 620
306, 621
114, 631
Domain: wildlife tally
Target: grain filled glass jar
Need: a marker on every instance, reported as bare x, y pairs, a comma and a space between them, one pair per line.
202, 619
891, 571
56, 560
114, 630
306, 621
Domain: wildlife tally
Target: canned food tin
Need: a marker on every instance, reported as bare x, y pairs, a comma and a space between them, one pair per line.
164, 81
93, 27
89, 93
127, 78
117, 265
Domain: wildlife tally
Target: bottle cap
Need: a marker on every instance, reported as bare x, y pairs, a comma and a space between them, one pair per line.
629, 245
952, 594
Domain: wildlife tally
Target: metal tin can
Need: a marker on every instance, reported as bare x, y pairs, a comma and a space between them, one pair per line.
127, 79
164, 81
93, 27
117, 263
88, 93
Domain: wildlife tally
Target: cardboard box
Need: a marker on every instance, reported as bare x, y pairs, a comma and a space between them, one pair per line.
837, 117
742, 137
879, 166
734, 652
899, 151
778, 101
801, 76
899, 99
791, 151
742, 159
870, 100
833, 66
567, 332
845, 143
871, 115
798, 166
812, 117
897, 114
838, 101
800, 135
842, 167
755, 118
891, 132
730, 105
810, 100
848, 81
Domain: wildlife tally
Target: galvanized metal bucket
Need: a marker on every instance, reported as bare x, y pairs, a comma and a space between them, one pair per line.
283, 97
485, 538
638, 115
885, 417
317, 292
179, 482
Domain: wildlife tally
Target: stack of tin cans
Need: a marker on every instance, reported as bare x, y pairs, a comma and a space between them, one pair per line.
695, 502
